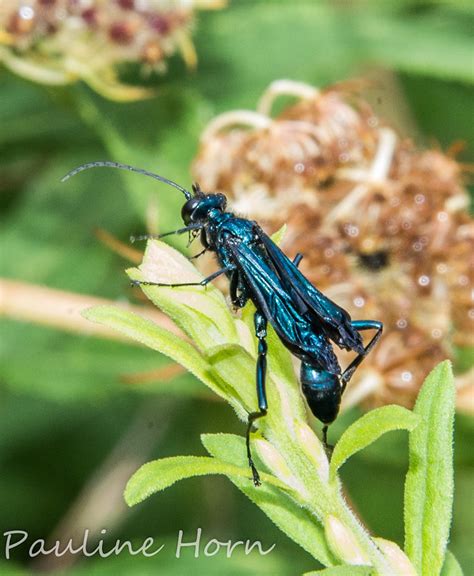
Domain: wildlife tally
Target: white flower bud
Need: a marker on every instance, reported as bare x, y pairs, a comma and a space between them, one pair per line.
343, 543
396, 557
275, 462
313, 449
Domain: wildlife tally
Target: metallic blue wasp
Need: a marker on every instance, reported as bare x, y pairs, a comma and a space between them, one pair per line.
306, 321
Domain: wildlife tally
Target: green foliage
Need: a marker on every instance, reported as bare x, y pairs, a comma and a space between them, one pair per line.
160, 474
451, 566
187, 307
429, 484
436, 43
65, 127
367, 429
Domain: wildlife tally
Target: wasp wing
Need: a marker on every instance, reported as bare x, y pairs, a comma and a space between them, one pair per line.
276, 304
334, 321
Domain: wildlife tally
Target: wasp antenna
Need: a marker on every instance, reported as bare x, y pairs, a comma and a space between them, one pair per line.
107, 164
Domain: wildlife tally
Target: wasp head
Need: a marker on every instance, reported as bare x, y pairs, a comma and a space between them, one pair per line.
197, 208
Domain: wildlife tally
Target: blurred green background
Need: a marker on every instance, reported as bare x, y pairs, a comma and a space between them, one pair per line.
71, 431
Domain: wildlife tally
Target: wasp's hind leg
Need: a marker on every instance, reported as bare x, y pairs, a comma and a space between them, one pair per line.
261, 333
361, 325
328, 448
297, 259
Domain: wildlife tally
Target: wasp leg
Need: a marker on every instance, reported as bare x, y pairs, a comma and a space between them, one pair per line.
198, 254
328, 448
297, 259
158, 236
238, 293
201, 283
361, 325
261, 333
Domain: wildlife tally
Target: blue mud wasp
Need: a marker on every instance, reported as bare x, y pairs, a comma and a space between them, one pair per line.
305, 320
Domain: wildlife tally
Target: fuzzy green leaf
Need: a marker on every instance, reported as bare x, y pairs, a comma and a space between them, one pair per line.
155, 337
160, 474
429, 484
233, 366
200, 311
367, 429
295, 521
280, 362
278, 236
451, 566
343, 571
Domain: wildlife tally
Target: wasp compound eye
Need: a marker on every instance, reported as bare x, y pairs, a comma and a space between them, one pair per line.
189, 208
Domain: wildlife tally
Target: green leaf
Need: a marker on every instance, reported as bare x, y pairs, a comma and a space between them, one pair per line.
451, 566
155, 337
367, 429
234, 366
42, 361
296, 522
278, 236
429, 483
160, 474
343, 571
200, 311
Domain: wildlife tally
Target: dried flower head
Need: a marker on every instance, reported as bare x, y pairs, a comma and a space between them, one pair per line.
61, 41
383, 226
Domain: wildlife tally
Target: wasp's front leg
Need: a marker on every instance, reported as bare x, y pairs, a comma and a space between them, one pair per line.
203, 282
